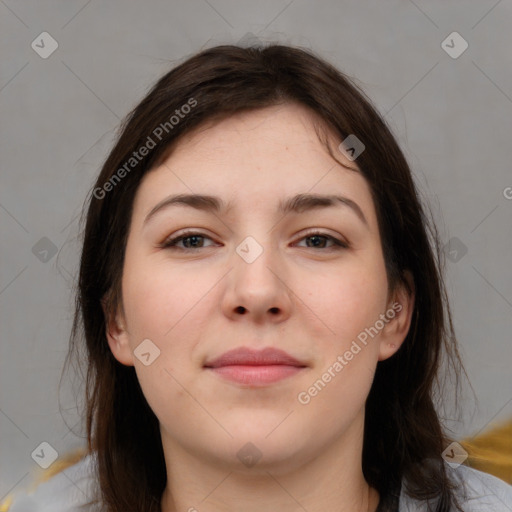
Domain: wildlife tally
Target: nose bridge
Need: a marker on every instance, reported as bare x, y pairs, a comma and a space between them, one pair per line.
259, 236
253, 257
257, 286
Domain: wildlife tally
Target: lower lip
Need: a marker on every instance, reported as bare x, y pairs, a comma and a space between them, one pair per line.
254, 375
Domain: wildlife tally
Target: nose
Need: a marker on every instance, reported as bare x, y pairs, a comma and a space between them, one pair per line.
257, 286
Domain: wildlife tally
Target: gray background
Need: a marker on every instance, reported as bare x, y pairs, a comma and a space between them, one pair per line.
452, 116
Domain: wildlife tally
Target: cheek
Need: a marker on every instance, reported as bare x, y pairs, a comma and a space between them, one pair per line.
349, 307
166, 305
160, 298
347, 299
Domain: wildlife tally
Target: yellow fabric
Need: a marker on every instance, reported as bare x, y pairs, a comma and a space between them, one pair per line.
59, 465
490, 452
4, 506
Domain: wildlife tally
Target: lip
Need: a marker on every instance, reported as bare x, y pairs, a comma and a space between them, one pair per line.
255, 367
248, 357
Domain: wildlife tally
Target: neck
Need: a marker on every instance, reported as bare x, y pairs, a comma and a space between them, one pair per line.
331, 480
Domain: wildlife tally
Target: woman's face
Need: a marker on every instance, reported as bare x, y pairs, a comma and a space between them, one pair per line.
255, 276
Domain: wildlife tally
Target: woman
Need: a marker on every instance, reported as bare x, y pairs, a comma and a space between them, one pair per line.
264, 315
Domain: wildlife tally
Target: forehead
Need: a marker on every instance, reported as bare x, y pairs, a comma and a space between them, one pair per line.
262, 132
256, 156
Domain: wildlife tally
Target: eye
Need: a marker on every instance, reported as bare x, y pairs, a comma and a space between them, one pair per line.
192, 241
318, 241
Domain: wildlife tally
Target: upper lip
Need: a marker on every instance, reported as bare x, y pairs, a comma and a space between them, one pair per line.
249, 357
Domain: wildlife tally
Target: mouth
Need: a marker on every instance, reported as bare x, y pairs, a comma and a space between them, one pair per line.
255, 368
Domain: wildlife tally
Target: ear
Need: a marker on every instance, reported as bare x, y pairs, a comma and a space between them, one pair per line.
395, 331
117, 334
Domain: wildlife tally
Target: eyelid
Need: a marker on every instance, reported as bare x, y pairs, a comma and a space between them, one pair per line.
338, 241
171, 241
323, 232
179, 235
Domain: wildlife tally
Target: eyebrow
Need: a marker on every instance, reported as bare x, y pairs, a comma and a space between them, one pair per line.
299, 203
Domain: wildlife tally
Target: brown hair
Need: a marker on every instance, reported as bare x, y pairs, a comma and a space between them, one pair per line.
403, 437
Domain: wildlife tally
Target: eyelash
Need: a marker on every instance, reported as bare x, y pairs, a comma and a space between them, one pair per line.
170, 243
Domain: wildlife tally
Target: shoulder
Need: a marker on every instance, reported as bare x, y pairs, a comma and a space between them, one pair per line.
477, 492
63, 492
482, 491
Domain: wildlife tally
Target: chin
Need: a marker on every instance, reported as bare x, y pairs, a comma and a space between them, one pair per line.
252, 451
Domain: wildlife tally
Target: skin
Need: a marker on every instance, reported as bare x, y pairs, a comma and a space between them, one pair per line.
311, 301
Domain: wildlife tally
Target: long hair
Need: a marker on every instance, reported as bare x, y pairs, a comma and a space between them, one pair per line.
403, 436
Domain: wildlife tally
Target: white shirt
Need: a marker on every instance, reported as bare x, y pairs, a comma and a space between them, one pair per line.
68, 489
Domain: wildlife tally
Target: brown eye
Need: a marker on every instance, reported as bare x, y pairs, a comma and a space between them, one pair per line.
191, 240
318, 240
